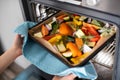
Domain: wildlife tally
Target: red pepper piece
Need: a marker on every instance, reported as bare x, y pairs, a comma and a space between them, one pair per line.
95, 39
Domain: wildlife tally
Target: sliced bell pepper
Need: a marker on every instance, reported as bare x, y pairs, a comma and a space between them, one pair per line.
55, 39
79, 23
79, 42
65, 29
44, 30
48, 37
95, 38
91, 30
74, 49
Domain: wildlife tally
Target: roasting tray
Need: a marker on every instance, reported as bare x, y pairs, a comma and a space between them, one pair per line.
99, 46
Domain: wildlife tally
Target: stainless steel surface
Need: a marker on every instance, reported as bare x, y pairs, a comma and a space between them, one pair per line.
109, 6
42, 12
76, 2
103, 72
92, 2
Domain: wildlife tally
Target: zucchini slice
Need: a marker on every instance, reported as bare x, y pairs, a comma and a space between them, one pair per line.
67, 54
61, 47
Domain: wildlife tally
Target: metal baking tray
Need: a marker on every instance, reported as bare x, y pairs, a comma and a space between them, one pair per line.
99, 45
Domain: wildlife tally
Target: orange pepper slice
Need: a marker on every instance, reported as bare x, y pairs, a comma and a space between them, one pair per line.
79, 42
74, 49
65, 29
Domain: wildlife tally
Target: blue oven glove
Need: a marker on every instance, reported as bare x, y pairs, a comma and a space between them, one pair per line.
42, 58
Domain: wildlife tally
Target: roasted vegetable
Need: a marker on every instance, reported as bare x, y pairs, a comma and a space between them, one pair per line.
55, 27
44, 30
79, 59
95, 38
70, 39
65, 29
82, 18
55, 39
60, 46
91, 44
90, 29
77, 22
67, 18
95, 22
67, 54
77, 17
79, 42
48, 37
74, 49
86, 49
61, 17
38, 34
72, 25
79, 33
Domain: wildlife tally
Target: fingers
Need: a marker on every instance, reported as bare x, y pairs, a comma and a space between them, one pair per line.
68, 77
72, 76
19, 39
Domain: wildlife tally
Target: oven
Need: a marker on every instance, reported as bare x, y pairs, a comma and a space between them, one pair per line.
107, 59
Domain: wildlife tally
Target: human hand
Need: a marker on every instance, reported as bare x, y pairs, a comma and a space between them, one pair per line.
12, 53
17, 45
68, 77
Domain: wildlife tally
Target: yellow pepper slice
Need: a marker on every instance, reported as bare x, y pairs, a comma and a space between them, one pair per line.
55, 39
79, 23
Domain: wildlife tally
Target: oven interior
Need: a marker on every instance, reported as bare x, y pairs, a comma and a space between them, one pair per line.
103, 61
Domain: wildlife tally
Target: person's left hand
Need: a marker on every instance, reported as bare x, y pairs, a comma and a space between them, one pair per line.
17, 44
68, 77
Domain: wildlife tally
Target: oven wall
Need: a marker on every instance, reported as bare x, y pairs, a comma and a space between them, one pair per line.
10, 17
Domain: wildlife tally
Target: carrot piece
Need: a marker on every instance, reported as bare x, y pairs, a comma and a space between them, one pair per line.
65, 29
44, 30
79, 42
74, 49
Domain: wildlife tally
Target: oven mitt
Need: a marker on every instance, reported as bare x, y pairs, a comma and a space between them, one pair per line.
48, 63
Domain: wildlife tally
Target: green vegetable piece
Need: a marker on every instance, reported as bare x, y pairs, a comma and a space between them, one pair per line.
61, 47
70, 39
66, 18
97, 23
82, 18
55, 27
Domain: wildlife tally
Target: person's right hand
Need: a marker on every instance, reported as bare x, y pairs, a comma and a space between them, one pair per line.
68, 77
